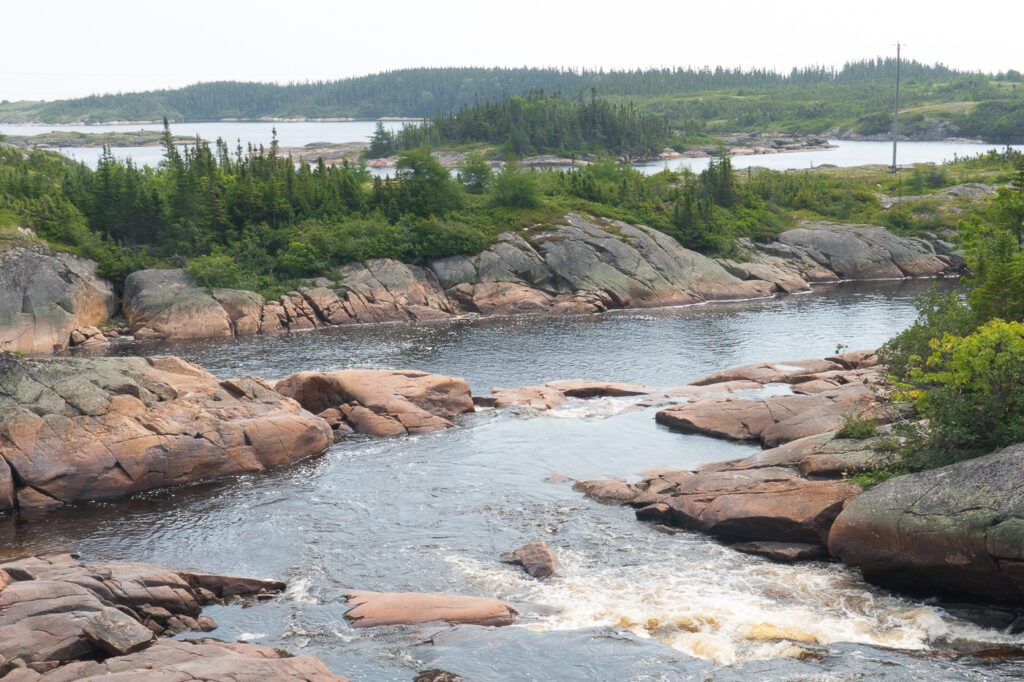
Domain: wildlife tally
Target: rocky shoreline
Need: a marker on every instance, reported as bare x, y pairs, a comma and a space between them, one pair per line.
62, 620
574, 265
75, 429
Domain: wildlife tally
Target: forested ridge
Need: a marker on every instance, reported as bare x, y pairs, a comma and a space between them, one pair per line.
856, 97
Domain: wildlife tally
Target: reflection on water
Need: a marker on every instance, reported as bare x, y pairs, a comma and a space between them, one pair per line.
435, 512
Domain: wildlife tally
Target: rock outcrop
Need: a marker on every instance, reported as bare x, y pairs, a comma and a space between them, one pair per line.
46, 296
824, 391
166, 304
380, 402
63, 620
375, 609
73, 429
958, 529
784, 499
573, 265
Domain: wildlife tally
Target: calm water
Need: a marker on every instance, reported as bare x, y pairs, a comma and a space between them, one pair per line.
435, 512
297, 134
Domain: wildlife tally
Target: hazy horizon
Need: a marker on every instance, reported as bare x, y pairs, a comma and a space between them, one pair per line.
78, 50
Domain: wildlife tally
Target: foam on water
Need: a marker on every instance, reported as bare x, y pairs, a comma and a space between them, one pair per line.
726, 607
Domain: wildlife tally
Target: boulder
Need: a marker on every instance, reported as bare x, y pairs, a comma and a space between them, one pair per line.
958, 529
375, 609
244, 310
382, 402
536, 559
74, 429
167, 304
46, 296
116, 633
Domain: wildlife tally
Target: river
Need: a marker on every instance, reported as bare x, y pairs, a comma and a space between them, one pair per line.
297, 134
435, 512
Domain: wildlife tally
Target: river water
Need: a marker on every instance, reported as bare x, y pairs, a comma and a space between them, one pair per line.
298, 134
435, 512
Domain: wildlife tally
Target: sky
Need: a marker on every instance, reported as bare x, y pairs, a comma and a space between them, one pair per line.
61, 49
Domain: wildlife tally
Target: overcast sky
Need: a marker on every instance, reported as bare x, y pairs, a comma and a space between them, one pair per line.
59, 49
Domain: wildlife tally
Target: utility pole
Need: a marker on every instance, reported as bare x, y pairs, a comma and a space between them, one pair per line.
896, 110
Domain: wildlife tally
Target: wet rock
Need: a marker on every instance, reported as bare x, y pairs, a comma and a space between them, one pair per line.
783, 552
770, 372
957, 529
74, 429
618, 492
554, 393
375, 609
536, 559
437, 676
382, 402
46, 296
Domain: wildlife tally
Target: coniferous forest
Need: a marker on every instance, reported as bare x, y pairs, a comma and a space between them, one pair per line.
855, 98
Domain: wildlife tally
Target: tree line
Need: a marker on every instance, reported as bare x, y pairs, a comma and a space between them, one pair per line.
535, 124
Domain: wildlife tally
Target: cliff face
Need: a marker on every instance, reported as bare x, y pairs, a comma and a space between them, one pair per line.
46, 296
579, 265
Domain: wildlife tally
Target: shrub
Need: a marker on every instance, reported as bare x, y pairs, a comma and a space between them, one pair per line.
515, 187
938, 314
858, 427
215, 270
971, 389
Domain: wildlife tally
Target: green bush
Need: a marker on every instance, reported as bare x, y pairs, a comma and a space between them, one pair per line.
938, 314
971, 389
858, 427
215, 270
515, 187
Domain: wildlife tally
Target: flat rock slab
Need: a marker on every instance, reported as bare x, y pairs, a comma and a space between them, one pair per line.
536, 558
553, 393
772, 421
794, 510
208, 660
382, 402
375, 609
